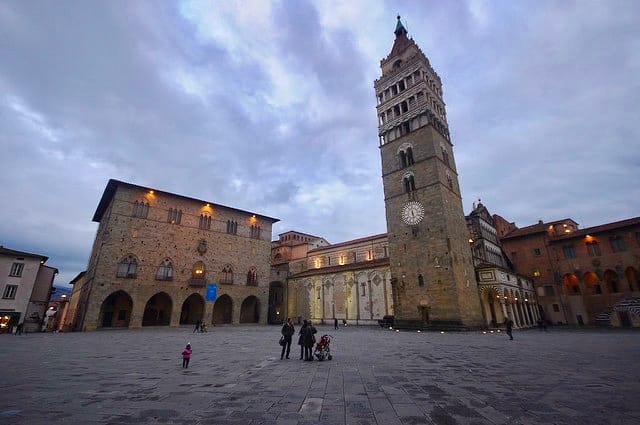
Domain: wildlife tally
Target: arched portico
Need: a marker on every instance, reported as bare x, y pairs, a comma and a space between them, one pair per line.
250, 310
277, 311
571, 284
192, 310
157, 311
115, 311
222, 310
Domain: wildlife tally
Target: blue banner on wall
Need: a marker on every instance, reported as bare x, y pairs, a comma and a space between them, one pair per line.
212, 291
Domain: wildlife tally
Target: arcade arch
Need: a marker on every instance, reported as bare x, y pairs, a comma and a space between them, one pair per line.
157, 311
592, 282
192, 310
250, 310
222, 310
571, 284
115, 311
276, 313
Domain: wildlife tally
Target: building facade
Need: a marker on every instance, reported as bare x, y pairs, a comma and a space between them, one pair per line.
348, 281
431, 265
582, 276
165, 259
503, 292
26, 288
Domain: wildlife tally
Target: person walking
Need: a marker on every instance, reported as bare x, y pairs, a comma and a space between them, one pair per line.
197, 328
509, 324
186, 356
335, 323
288, 330
301, 334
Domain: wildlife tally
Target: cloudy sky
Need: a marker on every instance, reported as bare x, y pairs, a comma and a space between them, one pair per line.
269, 107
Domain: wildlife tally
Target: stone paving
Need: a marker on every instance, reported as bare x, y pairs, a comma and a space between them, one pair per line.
377, 376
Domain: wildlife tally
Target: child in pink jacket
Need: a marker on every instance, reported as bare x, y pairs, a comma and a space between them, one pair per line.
186, 355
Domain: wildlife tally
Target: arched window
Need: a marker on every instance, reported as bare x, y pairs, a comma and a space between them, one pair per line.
128, 267
227, 274
232, 227
255, 232
252, 277
593, 249
205, 222
449, 181
174, 216
409, 155
198, 271
140, 209
445, 155
165, 270
409, 183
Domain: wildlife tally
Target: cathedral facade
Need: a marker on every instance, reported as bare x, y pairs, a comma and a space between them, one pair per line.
348, 281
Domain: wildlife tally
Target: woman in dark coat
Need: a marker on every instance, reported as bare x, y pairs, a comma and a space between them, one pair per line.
309, 340
301, 338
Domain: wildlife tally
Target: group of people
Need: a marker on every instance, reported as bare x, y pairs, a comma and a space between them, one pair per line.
306, 339
201, 327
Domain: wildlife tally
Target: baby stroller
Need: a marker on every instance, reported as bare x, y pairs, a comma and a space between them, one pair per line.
323, 351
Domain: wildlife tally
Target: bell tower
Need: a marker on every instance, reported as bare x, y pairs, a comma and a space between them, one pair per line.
432, 273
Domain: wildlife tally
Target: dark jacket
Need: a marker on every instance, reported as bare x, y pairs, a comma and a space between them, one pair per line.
308, 335
301, 334
288, 330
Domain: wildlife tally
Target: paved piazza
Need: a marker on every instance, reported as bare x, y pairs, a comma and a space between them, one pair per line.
376, 376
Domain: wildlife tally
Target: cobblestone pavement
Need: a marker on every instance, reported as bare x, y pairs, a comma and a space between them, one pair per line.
377, 376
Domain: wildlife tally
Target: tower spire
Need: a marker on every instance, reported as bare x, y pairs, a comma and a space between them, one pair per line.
400, 29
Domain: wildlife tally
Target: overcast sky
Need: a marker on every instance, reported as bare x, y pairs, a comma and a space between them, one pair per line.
269, 107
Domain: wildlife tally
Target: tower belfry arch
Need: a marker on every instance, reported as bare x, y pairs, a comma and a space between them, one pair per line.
432, 273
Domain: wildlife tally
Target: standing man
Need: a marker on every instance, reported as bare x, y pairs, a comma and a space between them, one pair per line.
335, 323
287, 331
509, 324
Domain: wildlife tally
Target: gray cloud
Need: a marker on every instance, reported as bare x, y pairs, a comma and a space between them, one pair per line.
270, 107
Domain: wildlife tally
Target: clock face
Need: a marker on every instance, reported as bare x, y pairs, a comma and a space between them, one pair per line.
412, 213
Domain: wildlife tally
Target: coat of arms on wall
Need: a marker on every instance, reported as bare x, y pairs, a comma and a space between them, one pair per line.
202, 246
